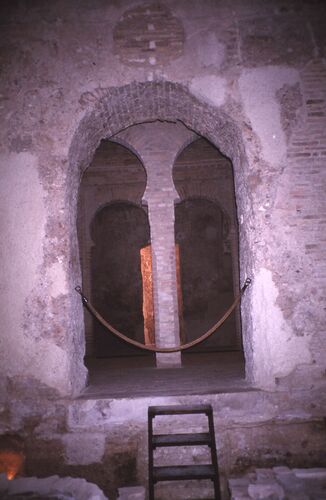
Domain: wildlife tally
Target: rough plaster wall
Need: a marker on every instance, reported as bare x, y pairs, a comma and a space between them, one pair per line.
55, 79
277, 349
300, 201
258, 88
22, 215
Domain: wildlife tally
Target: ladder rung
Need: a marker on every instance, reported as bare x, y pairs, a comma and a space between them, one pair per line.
202, 438
179, 410
179, 472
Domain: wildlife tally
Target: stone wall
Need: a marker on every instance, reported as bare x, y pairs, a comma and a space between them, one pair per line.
104, 440
247, 76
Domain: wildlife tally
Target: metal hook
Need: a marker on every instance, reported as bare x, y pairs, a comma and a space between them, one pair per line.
246, 284
79, 290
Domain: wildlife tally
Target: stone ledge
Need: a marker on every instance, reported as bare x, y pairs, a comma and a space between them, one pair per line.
53, 487
279, 483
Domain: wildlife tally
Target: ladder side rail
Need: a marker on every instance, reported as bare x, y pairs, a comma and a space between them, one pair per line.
150, 458
216, 479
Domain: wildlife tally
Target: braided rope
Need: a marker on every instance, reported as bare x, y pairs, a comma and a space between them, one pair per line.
154, 348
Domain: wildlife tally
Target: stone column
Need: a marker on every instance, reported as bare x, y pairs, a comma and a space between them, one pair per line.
157, 144
160, 196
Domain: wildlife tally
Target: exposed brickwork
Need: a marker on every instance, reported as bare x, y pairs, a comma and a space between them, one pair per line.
280, 40
302, 202
117, 108
148, 35
157, 144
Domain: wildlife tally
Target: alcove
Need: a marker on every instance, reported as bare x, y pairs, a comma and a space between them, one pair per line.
205, 273
113, 228
216, 128
120, 232
206, 233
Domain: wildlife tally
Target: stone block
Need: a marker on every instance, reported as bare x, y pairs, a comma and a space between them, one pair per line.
239, 493
264, 475
53, 486
290, 482
132, 493
265, 491
238, 481
281, 470
84, 448
313, 473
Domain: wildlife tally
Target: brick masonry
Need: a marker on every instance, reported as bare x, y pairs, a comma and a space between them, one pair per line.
148, 35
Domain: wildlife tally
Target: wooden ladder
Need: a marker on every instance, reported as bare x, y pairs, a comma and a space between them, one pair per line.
181, 472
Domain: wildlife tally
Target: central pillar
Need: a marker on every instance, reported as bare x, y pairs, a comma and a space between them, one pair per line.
161, 217
160, 196
157, 144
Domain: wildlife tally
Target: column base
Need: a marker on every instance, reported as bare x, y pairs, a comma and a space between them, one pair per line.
168, 360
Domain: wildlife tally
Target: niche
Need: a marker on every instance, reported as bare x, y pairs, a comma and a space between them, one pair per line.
206, 277
120, 258
206, 236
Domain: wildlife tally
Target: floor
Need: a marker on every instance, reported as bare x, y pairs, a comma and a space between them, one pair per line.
137, 376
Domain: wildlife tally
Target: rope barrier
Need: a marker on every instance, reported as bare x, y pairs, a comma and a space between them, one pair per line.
153, 348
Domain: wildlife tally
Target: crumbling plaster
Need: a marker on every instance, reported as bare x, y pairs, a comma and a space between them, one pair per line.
23, 230
275, 347
62, 92
258, 88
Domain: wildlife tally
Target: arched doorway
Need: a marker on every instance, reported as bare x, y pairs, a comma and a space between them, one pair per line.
156, 101
206, 232
112, 228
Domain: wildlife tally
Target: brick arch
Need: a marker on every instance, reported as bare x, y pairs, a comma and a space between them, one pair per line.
112, 110
108, 111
